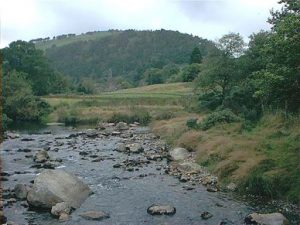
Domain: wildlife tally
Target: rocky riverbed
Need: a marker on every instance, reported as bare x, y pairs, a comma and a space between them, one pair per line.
132, 175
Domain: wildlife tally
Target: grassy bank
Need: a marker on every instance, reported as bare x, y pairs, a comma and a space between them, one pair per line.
263, 160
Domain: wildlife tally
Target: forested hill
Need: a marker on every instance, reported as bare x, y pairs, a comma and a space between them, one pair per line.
127, 54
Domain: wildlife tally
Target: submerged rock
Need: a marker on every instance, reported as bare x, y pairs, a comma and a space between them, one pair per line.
55, 186
161, 210
94, 215
179, 154
266, 219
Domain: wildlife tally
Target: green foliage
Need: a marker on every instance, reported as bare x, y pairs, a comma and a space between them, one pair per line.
218, 117
153, 76
19, 102
86, 86
232, 44
209, 100
6, 121
141, 117
196, 56
23, 57
190, 72
192, 123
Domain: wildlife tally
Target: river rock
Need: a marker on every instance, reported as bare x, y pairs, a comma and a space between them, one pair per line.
121, 147
135, 148
189, 167
94, 215
206, 215
60, 208
161, 210
55, 186
21, 191
122, 126
266, 219
179, 154
41, 156
64, 217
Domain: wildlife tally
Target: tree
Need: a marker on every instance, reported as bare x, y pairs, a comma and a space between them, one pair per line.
190, 72
219, 71
232, 44
278, 83
19, 102
23, 57
153, 76
196, 56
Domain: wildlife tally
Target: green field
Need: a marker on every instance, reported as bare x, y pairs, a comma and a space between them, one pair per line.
157, 101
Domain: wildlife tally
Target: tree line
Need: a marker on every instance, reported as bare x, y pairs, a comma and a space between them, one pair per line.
263, 76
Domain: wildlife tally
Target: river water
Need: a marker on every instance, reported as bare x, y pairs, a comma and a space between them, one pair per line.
124, 194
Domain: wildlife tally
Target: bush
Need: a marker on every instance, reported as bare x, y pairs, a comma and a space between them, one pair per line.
224, 116
142, 117
192, 123
19, 102
5, 121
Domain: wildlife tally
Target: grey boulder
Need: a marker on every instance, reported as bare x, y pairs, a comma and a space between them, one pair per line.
179, 154
55, 186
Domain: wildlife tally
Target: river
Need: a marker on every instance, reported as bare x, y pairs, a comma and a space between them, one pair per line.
124, 193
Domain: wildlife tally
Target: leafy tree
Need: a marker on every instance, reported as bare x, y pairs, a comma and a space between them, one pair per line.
232, 44
196, 56
153, 76
278, 84
23, 57
19, 102
190, 72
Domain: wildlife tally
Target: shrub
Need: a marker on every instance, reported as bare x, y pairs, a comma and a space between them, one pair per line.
19, 102
5, 121
224, 116
192, 123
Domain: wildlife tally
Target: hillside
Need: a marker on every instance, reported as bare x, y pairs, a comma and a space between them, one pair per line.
43, 45
127, 54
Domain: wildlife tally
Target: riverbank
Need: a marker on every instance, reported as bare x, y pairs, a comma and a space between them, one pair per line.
262, 159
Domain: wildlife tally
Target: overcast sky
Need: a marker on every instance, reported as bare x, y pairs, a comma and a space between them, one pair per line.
29, 19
